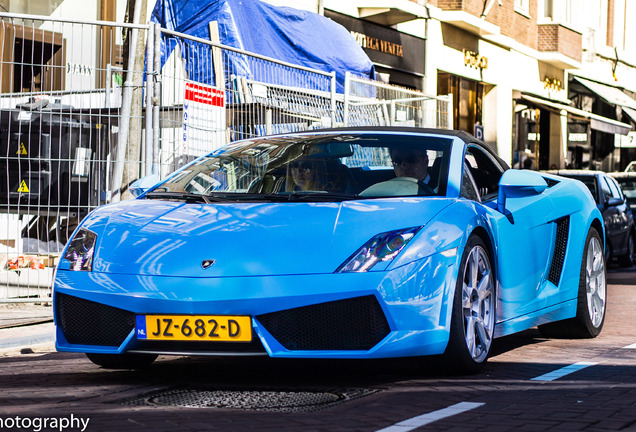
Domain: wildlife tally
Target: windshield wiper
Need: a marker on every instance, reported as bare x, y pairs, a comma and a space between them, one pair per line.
320, 196
246, 196
181, 196
281, 197
216, 197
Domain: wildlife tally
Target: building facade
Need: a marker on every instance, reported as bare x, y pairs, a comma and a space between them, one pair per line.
546, 83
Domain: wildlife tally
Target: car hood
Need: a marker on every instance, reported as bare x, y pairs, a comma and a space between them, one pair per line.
165, 238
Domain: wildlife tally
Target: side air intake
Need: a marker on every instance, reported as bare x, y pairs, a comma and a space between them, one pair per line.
560, 246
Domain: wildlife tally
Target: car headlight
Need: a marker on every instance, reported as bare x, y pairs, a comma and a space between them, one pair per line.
81, 249
382, 248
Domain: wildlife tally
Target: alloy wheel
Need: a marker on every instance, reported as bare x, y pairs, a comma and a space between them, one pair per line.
595, 282
478, 303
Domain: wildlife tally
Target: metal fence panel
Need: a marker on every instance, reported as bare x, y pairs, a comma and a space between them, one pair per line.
373, 103
214, 94
60, 110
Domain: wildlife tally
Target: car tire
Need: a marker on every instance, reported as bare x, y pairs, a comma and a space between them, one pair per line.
627, 260
592, 296
122, 361
473, 317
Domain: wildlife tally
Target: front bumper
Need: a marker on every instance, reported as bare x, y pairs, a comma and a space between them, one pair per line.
403, 312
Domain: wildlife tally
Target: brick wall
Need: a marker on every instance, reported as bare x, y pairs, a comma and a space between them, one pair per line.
556, 38
523, 27
517, 26
473, 7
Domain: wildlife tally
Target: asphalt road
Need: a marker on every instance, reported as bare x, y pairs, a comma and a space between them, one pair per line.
529, 384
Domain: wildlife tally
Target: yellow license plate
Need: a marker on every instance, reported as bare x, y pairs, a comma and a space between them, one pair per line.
221, 328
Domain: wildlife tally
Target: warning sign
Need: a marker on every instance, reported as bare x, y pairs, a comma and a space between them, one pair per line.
203, 119
23, 187
22, 150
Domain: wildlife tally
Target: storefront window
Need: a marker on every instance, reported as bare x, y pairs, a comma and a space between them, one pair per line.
467, 100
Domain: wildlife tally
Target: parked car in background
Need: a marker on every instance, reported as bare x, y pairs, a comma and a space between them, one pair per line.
631, 167
627, 181
617, 215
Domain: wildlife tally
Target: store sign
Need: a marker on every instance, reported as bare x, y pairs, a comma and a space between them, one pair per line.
378, 44
578, 133
577, 137
203, 119
472, 59
384, 45
552, 84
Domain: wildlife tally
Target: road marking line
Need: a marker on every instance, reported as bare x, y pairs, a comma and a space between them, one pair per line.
632, 346
551, 376
424, 419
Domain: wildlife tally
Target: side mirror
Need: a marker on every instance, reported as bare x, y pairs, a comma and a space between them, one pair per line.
518, 184
613, 202
142, 185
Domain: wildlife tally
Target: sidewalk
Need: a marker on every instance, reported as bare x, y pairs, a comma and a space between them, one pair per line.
26, 328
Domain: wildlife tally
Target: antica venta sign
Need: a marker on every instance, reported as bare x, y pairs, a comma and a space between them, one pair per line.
385, 45
378, 44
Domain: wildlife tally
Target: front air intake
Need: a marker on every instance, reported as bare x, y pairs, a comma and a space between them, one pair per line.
351, 324
85, 322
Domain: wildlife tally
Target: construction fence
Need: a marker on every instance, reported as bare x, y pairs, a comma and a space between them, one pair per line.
82, 118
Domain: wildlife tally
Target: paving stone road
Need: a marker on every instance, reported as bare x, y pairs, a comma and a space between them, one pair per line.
198, 394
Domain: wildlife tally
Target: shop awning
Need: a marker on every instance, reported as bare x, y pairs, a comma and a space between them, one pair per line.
612, 95
630, 112
597, 122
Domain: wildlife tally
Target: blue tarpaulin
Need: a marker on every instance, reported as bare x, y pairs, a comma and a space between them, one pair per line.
283, 33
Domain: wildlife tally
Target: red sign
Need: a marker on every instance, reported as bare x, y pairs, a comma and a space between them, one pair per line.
204, 94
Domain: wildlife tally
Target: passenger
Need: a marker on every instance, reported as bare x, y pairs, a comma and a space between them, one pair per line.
304, 175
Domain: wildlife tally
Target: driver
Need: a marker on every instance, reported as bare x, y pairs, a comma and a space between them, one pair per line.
412, 177
411, 163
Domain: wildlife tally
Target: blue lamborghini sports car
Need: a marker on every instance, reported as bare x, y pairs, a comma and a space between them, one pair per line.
349, 243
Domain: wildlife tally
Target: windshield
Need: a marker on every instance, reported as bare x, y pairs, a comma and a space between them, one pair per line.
589, 181
316, 167
628, 185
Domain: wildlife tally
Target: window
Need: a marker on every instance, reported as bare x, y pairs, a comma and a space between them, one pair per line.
616, 192
31, 59
39, 7
522, 6
566, 12
605, 190
485, 171
469, 190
